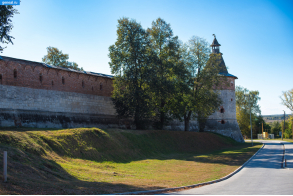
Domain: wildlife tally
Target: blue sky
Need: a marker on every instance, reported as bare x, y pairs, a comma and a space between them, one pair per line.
256, 35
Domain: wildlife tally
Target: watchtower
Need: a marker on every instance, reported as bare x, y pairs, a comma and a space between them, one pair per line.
223, 121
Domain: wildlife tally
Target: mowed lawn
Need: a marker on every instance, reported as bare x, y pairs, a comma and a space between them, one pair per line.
95, 161
164, 172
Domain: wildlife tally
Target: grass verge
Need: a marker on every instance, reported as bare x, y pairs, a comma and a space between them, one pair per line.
95, 161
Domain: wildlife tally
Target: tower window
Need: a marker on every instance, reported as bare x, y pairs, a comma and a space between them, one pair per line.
101, 86
222, 122
52, 83
92, 88
231, 99
222, 110
63, 80
0, 78
15, 73
82, 84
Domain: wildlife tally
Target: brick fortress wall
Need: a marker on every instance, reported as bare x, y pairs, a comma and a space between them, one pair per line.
22, 73
38, 95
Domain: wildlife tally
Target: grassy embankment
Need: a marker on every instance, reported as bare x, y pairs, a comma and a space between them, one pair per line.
95, 161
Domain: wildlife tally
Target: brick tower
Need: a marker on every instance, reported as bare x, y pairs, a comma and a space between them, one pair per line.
224, 120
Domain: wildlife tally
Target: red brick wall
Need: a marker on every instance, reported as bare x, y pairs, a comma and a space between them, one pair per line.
227, 84
28, 75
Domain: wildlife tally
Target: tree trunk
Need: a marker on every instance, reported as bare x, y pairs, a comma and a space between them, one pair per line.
162, 115
186, 121
201, 122
137, 121
201, 126
186, 124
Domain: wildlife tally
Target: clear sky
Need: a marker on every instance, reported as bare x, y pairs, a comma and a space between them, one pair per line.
256, 35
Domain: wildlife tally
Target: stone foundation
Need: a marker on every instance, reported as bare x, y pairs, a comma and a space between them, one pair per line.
229, 129
59, 120
28, 107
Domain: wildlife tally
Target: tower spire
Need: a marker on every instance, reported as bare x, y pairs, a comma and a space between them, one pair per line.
215, 45
218, 56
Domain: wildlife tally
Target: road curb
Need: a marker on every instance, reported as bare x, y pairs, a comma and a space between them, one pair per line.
158, 191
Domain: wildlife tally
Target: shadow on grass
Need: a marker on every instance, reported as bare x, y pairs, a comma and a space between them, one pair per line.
31, 174
122, 146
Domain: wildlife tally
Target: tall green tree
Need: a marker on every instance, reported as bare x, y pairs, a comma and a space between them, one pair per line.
6, 14
197, 100
287, 99
243, 106
130, 62
57, 58
288, 128
165, 66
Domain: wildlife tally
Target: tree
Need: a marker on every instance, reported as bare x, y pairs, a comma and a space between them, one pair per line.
276, 128
287, 99
165, 66
199, 99
288, 128
243, 105
57, 58
131, 61
73, 65
258, 122
6, 13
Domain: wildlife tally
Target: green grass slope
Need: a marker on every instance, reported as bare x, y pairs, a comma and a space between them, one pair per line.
39, 159
112, 145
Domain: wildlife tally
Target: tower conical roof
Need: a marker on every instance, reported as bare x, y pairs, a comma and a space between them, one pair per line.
217, 57
222, 65
215, 42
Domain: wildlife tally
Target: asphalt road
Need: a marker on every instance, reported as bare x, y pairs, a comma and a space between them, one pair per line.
263, 175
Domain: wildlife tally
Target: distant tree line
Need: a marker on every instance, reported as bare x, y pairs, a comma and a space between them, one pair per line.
245, 103
157, 78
